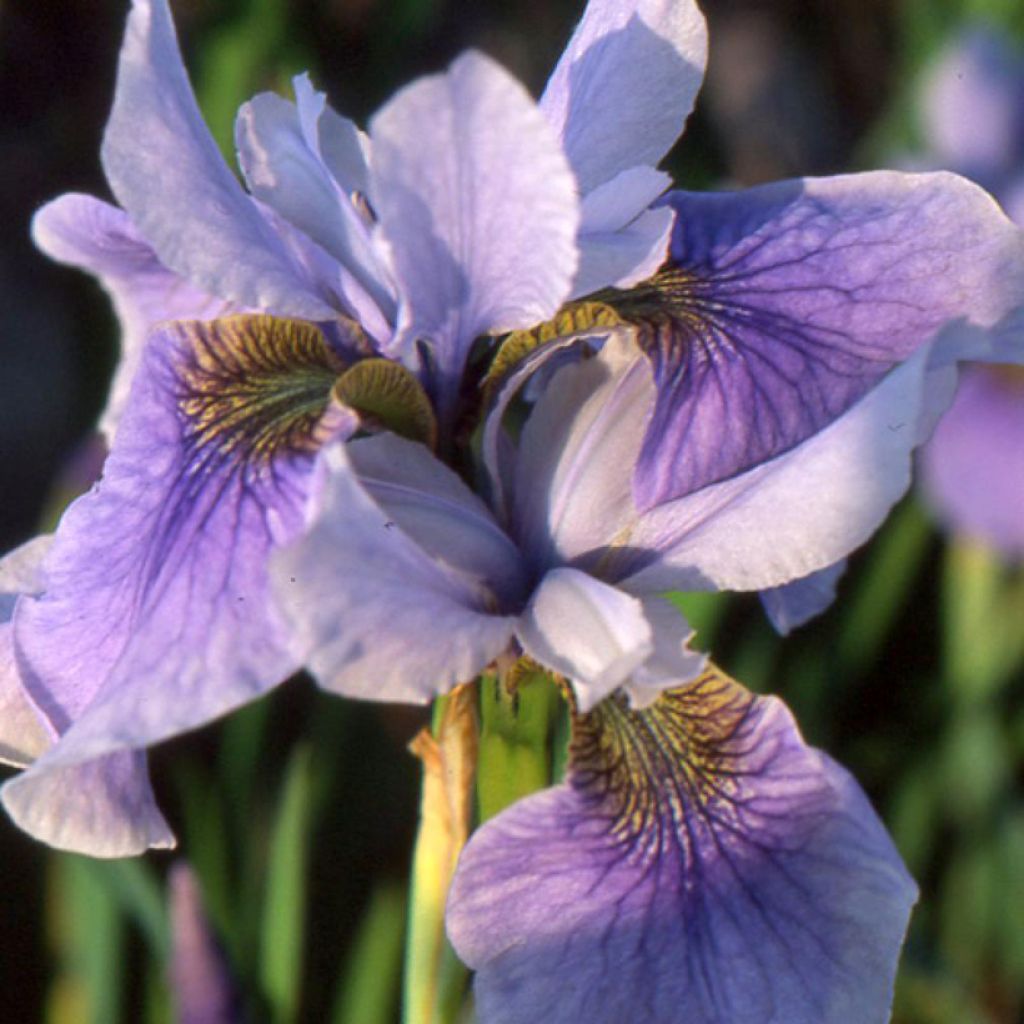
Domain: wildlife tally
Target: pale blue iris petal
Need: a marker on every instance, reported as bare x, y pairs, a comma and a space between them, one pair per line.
165, 170
23, 734
103, 807
156, 615
621, 241
481, 222
803, 511
672, 662
972, 470
795, 299
375, 614
284, 169
87, 233
624, 86
336, 140
755, 886
971, 106
587, 631
624, 257
573, 495
790, 606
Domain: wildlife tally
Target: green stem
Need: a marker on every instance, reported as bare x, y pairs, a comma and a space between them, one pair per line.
434, 981
516, 732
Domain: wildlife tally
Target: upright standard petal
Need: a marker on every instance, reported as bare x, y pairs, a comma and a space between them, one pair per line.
166, 171
101, 239
700, 864
786, 304
481, 222
156, 616
279, 151
626, 83
377, 614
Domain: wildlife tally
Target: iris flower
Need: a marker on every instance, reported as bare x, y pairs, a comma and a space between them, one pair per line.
364, 258
738, 417
972, 470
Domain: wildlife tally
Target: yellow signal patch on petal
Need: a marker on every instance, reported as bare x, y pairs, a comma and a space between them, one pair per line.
253, 386
650, 770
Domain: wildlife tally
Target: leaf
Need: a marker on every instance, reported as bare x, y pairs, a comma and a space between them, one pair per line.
284, 906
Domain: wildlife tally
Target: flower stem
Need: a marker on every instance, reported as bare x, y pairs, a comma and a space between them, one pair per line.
435, 981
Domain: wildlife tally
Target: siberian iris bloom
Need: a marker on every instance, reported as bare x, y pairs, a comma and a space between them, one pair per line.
972, 470
740, 421
738, 418
343, 289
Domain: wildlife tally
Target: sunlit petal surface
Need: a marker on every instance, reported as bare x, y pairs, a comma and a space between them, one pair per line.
700, 865
786, 304
625, 84
482, 222
156, 615
101, 239
166, 171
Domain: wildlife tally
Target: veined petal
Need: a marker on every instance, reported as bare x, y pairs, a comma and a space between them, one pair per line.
23, 736
376, 614
283, 168
700, 864
156, 616
482, 222
105, 806
87, 233
788, 303
972, 470
166, 171
622, 90
621, 240
802, 511
593, 634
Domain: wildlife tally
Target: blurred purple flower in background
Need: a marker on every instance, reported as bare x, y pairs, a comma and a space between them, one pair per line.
204, 992
972, 117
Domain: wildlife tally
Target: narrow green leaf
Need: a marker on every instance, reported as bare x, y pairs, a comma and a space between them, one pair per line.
883, 587
137, 892
371, 979
87, 933
209, 855
284, 907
